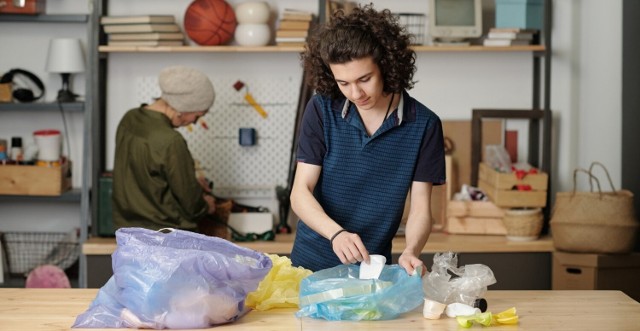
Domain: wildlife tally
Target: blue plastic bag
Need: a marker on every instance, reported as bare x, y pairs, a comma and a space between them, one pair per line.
337, 294
173, 280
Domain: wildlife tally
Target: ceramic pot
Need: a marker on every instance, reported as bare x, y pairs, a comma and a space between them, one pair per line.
252, 34
253, 12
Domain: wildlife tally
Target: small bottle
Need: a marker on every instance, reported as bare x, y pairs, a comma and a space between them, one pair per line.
16, 149
3, 152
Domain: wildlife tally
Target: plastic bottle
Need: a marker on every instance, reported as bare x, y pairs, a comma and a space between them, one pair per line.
16, 149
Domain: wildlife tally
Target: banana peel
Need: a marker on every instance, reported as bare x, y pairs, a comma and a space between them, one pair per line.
507, 317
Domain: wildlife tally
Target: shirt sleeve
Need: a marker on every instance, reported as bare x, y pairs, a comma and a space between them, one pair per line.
311, 145
431, 166
180, 171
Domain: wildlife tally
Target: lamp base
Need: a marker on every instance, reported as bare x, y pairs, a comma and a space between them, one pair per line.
66, 96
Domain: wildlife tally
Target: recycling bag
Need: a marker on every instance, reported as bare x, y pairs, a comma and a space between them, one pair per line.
178, 279
338, 294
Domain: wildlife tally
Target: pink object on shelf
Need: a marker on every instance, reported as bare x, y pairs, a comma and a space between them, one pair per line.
47, 276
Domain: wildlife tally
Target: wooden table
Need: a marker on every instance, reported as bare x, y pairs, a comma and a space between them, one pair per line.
517, 265
56, 309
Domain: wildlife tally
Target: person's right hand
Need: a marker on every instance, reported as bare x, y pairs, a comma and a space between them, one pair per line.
349, 248
211, 202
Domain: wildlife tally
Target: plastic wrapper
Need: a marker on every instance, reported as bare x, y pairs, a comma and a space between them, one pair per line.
337, 294
447, 283
174, 280
280, 288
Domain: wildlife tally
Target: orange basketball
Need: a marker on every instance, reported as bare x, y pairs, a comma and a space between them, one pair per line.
210, 22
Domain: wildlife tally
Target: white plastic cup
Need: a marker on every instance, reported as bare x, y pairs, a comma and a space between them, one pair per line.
432, 309
49, 146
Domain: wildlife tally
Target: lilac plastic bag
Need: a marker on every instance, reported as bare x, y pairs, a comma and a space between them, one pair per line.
172, 280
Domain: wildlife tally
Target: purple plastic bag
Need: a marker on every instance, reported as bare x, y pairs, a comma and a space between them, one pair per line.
173, 280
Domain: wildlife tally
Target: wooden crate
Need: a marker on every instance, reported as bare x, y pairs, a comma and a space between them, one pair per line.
474, 217
34, 180
498, 187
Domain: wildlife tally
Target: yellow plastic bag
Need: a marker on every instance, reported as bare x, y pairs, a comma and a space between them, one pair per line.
280, 288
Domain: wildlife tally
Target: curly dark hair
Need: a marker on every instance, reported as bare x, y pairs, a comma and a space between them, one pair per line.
364, 32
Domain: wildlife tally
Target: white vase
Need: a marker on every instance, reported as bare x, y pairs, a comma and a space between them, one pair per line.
252, 34
253, 12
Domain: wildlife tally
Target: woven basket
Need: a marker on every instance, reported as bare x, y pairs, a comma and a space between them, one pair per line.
523, 224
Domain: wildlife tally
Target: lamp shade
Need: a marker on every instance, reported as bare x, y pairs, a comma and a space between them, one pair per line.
65, 56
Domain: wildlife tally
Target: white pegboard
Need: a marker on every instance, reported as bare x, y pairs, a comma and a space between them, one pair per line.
242, 171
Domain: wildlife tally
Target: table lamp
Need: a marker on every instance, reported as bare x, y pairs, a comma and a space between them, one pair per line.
65, 57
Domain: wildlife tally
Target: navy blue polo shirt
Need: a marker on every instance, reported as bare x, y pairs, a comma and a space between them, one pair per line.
365, 179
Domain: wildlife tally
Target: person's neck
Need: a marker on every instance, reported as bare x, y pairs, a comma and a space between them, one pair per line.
162, 107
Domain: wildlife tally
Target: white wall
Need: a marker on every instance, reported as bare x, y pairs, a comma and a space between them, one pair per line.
586, 83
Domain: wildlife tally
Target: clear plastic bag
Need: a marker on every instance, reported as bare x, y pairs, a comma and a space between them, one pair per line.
447, 283
173, 280
338, 294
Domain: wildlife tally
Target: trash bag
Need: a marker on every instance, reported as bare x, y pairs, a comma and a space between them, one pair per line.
178, 279
447, 283
338, 294
280, 288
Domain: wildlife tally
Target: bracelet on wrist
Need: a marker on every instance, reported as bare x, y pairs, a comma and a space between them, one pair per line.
335, 235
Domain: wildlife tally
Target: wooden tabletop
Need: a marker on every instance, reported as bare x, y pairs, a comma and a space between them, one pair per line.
438, 242
56, 309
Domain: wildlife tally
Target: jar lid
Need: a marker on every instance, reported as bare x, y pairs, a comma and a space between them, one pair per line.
16, 141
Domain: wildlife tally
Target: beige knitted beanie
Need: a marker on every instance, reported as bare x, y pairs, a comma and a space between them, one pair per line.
186, 89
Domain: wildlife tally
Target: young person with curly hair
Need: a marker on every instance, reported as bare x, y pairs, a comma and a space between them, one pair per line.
364, 144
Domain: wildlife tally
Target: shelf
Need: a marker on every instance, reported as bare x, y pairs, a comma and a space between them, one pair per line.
70, 196
297, 49
45, 18
42, 106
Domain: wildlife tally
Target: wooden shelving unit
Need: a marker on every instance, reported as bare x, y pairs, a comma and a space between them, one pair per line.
296, 49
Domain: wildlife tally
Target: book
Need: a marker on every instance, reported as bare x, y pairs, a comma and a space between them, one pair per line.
133, 28
510, 35
517, 30
147, 36
294, 25
505, 42
145, 43
137, 19
296, 15
290, 40
292, 33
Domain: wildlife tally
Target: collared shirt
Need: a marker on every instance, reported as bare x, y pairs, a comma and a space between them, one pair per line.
154, 182
365, 179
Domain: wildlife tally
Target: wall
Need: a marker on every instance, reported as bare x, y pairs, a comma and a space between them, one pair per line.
586, 74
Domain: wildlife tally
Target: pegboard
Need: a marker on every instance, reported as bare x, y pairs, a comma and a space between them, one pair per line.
242, 171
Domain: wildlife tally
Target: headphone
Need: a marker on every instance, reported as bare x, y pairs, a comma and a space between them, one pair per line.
23, 94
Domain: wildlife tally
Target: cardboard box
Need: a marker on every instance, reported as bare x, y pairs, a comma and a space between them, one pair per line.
597, 272
30, 7
474, 217
498, 187
34, 180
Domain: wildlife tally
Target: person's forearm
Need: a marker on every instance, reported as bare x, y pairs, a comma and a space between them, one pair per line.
417, 232
307, 208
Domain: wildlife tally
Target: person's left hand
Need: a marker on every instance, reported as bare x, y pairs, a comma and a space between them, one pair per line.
204, 183
410, 262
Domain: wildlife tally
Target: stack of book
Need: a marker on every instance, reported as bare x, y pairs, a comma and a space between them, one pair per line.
146, 30
509, 37
293, 28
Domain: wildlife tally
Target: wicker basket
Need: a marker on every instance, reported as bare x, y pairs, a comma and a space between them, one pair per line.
523, 224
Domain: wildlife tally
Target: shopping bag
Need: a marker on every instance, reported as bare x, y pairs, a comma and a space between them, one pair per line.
596, 221
338, 294
178, 279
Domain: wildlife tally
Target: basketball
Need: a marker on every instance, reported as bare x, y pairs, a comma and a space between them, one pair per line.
210, 22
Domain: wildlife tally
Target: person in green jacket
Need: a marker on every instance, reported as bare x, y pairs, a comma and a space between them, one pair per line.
154, 181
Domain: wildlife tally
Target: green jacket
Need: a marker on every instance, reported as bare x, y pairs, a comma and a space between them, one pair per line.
154, 182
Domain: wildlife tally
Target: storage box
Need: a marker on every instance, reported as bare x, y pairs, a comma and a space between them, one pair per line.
34, 180
498, 187
30, 7
524, 14
474, 217
597, 272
